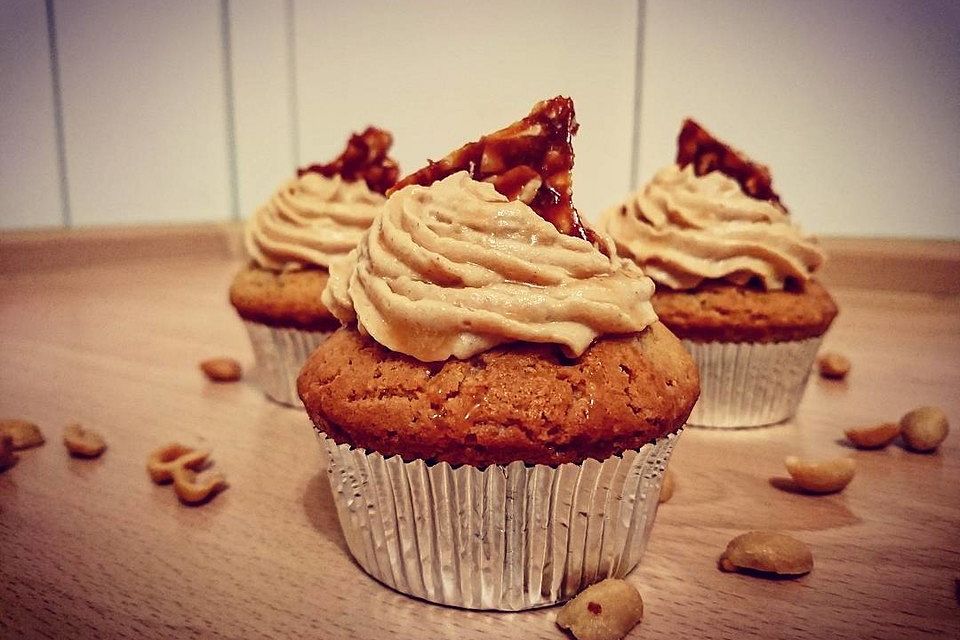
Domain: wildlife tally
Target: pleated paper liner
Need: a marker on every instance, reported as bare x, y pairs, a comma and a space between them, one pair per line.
505, 537
280, 354
745, 384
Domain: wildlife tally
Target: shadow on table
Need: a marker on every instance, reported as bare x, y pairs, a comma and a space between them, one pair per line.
321, 511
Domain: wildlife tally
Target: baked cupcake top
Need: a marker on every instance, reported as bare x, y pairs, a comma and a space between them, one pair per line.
452, 266
471, 292
713, 215
322, 213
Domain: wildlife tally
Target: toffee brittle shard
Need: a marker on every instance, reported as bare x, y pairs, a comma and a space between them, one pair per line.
531, 160
697, 146
365, 158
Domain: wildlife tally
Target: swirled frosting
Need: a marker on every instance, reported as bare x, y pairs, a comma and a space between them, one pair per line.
455, 268
310, 221
683, 229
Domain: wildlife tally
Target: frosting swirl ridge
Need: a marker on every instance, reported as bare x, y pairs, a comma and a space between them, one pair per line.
310, 221
684, 229
455, 268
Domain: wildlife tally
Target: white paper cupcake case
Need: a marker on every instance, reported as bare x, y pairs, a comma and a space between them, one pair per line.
507, 537
745, 384
280, 354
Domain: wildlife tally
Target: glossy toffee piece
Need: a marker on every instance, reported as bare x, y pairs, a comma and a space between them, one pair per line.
530, 160
697, 146
365, 158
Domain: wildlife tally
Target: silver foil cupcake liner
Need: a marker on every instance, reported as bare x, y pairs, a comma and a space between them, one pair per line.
280, 354
505, 537
746, 384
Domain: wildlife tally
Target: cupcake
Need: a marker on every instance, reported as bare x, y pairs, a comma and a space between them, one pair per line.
312, 219
735, 279
498, 410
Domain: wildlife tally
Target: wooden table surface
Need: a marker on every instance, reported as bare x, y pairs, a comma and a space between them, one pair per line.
93, 549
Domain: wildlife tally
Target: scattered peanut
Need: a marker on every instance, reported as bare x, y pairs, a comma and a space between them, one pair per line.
873, 437
826, 476
83, 443
767, 552
23, 434
925, 428
179, 464
833, 366
7, 457
222, 369
606, 610
668, 487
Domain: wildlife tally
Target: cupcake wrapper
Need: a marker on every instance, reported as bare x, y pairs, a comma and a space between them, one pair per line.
280, 354
745, 384
506, 537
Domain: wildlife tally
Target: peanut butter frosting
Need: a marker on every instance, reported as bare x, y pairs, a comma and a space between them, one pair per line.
454, 269
310, 221
684, 229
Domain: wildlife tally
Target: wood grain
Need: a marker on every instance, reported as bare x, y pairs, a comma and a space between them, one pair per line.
93, 549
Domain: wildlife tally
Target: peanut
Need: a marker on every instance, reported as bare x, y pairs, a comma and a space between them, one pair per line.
826, 476
833, 366
222, 369
179, 464
7, 457
606, 610
767, 552
83, 443
668, 487
873, 437
925, 428
22, 433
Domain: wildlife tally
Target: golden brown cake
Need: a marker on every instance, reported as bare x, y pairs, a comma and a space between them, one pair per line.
282, 298
720, 312
498, 364
734, 278
524, 402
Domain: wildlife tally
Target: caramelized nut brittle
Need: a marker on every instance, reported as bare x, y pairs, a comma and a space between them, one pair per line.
531, 160
365, 158
695, 145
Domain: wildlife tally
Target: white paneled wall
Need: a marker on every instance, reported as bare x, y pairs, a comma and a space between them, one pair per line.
191, 110
29, 177
144, 110
440, 74
855, 105
264, 97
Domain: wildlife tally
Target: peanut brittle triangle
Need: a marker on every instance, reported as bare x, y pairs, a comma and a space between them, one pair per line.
531, 160
695, 145
365, 158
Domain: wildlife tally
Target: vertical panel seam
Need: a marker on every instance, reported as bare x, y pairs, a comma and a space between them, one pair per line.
60, 140
637, 94
293, 98
230, 110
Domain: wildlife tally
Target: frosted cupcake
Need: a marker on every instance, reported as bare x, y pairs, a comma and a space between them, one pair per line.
497, 413
735, 279
311, 220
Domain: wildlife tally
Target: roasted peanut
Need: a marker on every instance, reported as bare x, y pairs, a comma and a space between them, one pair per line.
7, 457
767, 552
873, 437
833, 366
83, 443
222, 369
925, 428
606, 610
179, 464
822, 476
23, 434
668, 487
